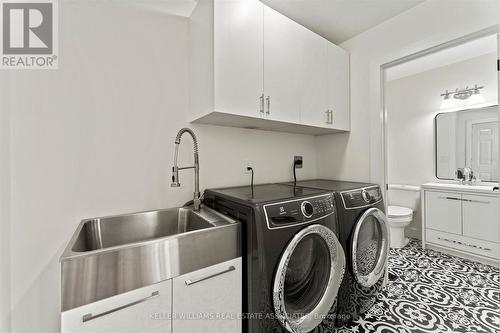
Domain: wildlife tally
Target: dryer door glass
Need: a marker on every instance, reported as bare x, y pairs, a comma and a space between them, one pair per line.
308, 278
370, 247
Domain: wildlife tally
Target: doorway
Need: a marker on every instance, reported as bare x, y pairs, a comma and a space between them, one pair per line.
414, 92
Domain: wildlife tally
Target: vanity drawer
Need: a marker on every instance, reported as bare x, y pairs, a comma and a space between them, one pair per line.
462, 243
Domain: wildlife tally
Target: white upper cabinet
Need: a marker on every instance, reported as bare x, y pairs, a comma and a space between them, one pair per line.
282, 57
338, 91
313, 80
238, 56
251, 66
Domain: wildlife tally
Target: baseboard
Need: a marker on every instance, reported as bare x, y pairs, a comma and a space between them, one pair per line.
465, 255
413, 233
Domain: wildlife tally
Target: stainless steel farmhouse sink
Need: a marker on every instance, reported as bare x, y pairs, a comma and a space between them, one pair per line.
111, 255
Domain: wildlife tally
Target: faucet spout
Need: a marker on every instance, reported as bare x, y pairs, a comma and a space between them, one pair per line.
176, 168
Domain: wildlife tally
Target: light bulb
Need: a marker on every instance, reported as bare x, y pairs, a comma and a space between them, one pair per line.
476, 98
447, 102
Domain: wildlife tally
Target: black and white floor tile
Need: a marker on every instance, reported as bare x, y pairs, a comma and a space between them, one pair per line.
434, 292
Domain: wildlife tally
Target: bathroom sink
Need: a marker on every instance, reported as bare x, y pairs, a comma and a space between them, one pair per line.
111, 255
469, 187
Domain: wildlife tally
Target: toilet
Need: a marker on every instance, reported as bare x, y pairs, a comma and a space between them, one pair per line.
399, 218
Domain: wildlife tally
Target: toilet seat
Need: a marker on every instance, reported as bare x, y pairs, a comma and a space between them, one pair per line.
399, 212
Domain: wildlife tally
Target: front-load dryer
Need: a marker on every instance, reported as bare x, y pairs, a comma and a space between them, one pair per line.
364, 235
293, 262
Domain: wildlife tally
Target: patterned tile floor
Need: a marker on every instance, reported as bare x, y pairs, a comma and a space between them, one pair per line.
434, 292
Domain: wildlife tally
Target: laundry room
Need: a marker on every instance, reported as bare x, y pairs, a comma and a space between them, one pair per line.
249, 166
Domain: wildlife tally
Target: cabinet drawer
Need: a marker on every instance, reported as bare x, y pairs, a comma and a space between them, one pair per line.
145, 310
462, 243
443, 211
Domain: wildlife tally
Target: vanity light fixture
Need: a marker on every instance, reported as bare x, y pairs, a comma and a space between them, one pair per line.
462, 94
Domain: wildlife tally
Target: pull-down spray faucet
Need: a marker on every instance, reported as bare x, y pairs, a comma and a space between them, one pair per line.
196, 166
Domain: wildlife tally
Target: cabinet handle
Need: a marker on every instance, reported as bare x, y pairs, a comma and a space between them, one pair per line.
462, 243
268, 103
90, 316
476, 201
261, 103
331, 117
451, 198
327, 116
191, 282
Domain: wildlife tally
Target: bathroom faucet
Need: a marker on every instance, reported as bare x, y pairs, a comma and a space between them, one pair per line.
466, 175
196, 167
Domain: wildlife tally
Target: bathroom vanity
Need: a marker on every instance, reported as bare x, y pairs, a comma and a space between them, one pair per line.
462, 220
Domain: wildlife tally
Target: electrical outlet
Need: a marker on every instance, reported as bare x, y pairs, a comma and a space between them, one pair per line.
298, 158
247, 164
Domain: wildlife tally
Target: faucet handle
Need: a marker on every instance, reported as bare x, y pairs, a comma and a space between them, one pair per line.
175, 177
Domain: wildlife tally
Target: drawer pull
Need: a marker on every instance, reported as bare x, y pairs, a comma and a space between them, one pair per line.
462, 243
90, 316
476, 201
451, 198
190, 282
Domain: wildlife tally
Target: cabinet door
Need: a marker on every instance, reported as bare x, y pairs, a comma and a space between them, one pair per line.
145, 310
313, 80
209, 300
337, 62
443, 211
480, 216
238, 56
282, 56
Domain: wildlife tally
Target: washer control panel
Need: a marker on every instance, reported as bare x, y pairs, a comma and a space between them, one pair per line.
289, 213
362, 197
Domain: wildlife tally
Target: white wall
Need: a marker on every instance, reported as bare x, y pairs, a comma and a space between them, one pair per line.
95, 137
412, 103
4, 204
359, 155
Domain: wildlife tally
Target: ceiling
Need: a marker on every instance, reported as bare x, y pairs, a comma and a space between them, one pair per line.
340, 20
469, 50
336, 20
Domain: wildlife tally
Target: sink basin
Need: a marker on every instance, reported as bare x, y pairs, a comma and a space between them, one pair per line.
111, 255
102, 233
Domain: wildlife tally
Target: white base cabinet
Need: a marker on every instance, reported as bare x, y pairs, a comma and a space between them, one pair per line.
461, 220
145, 310
443, 211
480, 217
208, 300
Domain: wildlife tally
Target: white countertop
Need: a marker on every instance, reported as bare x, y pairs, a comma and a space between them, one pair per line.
481, 188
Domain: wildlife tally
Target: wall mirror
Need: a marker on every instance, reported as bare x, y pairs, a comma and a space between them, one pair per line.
468, 138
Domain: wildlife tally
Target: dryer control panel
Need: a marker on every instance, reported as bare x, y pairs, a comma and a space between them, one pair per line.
291, 213
361, 197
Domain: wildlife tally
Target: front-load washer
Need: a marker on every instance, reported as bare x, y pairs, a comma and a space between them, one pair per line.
364, 235
293, 263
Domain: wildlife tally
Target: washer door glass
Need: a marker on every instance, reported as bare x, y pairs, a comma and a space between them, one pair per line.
307, 279
370, 247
